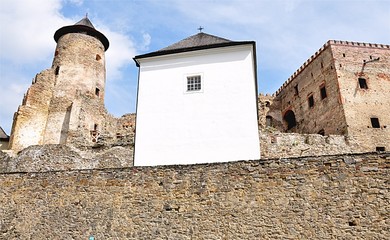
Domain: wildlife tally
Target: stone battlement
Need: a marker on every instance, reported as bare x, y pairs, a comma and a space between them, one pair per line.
317, 53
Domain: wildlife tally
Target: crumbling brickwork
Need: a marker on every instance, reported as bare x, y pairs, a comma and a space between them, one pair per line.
327, 197
341, 89
65, 104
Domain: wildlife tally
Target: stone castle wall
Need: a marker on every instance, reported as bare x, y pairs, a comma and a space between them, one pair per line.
328, 197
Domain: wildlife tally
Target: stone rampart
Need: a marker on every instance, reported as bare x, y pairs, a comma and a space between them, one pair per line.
56, 157
285, 145
328, 197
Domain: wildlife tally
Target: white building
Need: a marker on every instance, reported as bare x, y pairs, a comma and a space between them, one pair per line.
197, 103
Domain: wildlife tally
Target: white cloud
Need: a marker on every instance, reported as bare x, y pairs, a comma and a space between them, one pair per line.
76, 2
119, 54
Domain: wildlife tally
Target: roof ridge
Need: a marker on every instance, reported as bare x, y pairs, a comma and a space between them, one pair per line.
199, 39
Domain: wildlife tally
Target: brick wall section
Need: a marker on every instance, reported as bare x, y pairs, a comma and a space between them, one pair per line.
360, 105
347, 108
326, 114
304, 198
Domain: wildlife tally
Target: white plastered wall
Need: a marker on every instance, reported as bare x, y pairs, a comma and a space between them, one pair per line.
217, 124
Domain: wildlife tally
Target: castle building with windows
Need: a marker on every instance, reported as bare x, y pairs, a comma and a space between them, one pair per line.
343, 89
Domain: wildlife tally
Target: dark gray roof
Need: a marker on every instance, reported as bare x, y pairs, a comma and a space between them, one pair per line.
3, 135
200, 39
86, 22
84, 26
195, 42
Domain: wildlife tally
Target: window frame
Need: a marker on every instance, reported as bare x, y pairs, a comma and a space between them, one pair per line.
186, 83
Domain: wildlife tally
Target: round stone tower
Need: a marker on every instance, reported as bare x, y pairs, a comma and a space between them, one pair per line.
65, 104
77, 110
79, 60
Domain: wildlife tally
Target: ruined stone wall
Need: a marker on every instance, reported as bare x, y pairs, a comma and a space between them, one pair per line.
326, 115
269, 112
31, 117
333, 197
361, 103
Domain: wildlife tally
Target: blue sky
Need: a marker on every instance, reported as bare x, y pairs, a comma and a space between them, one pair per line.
286, 32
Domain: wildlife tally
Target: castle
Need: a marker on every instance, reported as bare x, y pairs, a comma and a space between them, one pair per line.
343, 89
324, 140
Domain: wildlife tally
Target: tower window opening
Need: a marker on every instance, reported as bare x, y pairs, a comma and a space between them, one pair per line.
98, 57
95, 127
268, 121
322, 65
323, 92
296, 90
375, 123
343, 54
380, 149
311, 101
57, 71
363, 83
55, 53
97, 92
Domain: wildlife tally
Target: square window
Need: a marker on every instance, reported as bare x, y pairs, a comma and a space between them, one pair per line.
363, 83
375, 123
311, 101
194, 83
323, 92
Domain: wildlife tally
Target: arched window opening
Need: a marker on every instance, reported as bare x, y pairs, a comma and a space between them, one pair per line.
289, 117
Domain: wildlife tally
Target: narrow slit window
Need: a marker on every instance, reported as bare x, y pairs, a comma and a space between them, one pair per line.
194, 83
57, 71
323, 92
98, 57
363, 83
311, 101
97, 92
375, 123
296, 90
268, 121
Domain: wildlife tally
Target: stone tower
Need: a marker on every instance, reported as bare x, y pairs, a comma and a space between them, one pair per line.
66, 102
